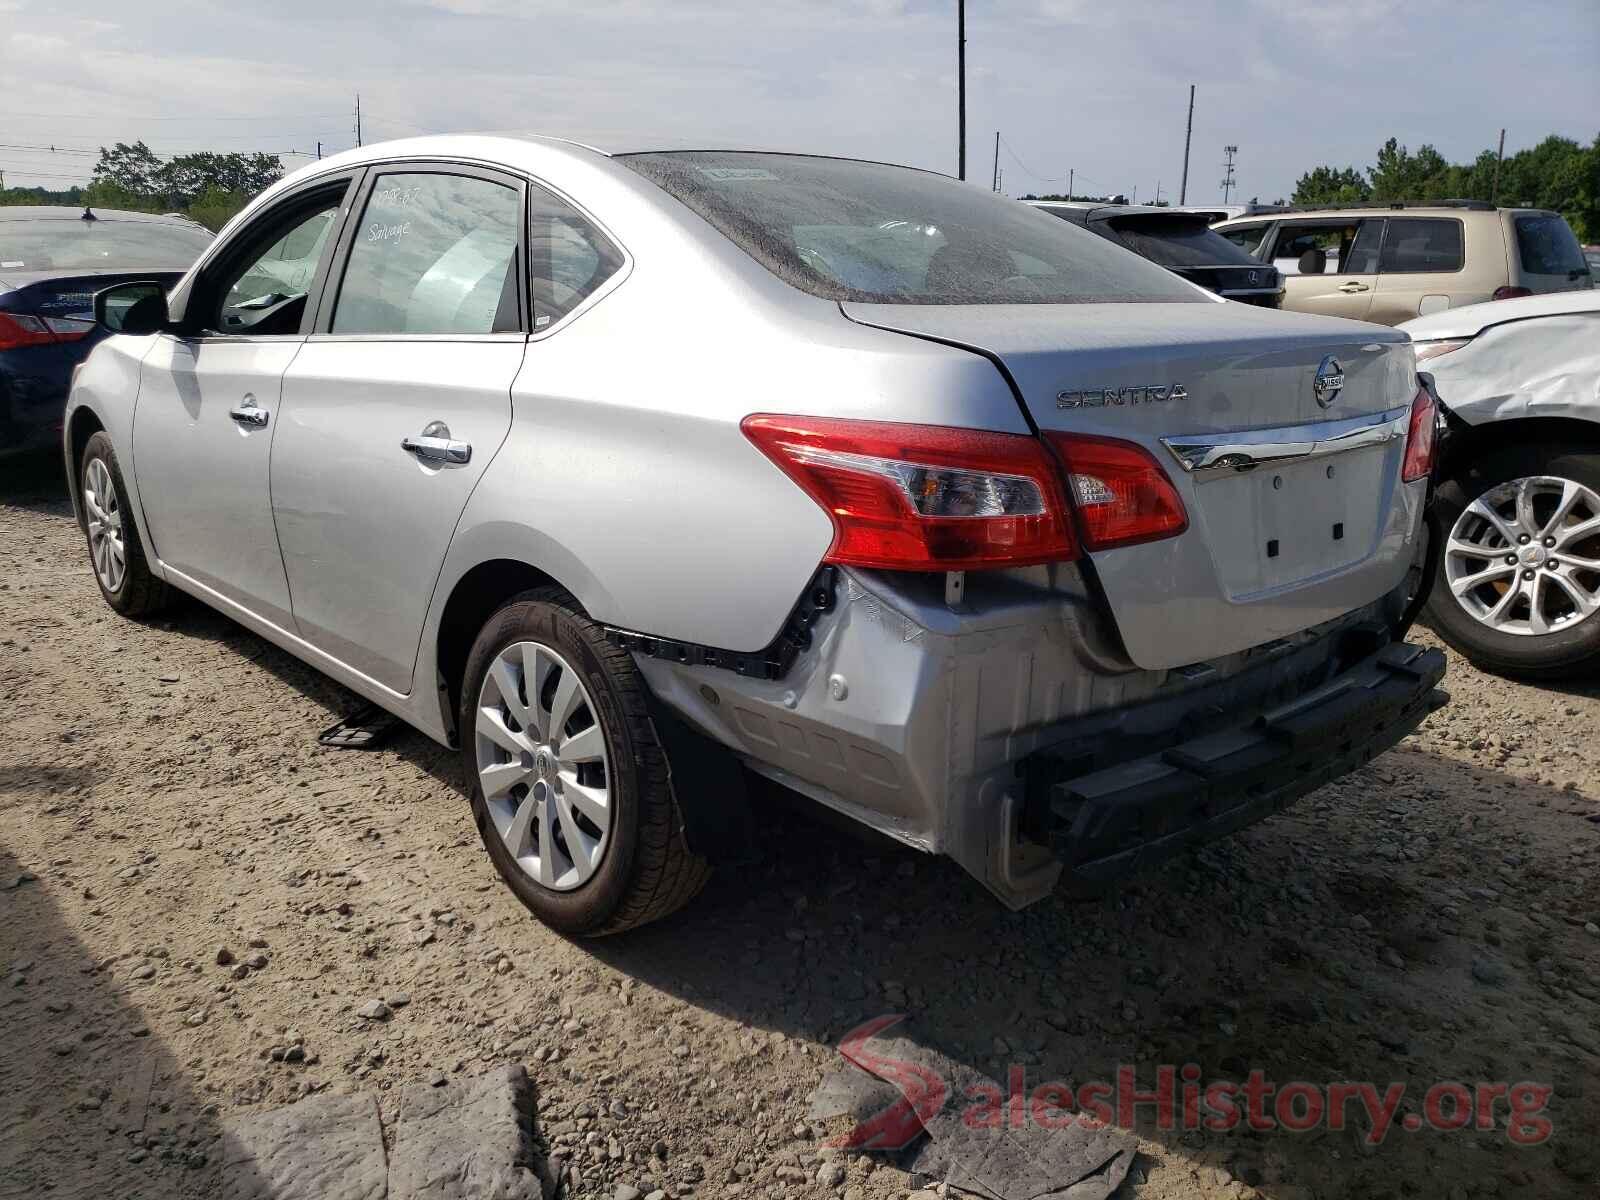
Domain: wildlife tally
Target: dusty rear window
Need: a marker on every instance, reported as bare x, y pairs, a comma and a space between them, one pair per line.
1547, 246
848, 230
73, 244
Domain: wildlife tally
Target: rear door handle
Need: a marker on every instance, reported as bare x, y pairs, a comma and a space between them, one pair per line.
435, 445
249, 414
1353, 286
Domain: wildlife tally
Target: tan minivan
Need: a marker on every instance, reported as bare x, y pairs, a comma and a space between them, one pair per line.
1390, 263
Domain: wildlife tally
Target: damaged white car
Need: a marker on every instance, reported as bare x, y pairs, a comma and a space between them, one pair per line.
1518, 581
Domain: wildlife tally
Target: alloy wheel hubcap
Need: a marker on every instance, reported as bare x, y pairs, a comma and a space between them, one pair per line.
1524, 558
105, 525
543, 767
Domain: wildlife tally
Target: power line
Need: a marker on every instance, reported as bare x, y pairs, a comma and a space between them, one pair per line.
100, 116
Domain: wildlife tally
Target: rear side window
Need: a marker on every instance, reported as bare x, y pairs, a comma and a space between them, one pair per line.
1420, 246
433, 253
848, 230
568, 258
1547, 246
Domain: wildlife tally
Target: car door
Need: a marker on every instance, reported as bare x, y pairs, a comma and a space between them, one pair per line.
395, 405
1347, 251
208, 402
1419, 269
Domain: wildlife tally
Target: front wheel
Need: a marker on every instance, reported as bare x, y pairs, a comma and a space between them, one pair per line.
115, 551
570, 785
1517, 589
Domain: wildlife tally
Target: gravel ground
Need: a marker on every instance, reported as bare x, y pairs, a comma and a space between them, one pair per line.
202, 911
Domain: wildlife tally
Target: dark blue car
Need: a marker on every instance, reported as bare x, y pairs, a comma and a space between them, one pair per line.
52, 262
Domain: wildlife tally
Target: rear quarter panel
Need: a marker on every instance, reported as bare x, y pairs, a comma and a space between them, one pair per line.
626, 476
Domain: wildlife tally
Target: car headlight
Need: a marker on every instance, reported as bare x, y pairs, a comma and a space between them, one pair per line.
1428, 350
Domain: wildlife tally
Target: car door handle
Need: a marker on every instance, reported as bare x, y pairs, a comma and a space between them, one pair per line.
435, 445
249, 414
1353, 287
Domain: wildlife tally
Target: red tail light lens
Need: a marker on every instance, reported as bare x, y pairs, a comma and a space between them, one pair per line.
1121, 494
923, 497
20, 329
1511, 293
1421, 438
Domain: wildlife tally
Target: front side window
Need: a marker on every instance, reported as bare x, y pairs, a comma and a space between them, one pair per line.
568, 258
1420, 246
432, 253
1326, 243
265, 292
1547, 246
848, 230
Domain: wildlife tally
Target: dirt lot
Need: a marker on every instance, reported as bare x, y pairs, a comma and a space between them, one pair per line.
1431, 918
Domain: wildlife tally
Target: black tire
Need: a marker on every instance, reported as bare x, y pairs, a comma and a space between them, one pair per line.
139, 593
647, 869
1559, 655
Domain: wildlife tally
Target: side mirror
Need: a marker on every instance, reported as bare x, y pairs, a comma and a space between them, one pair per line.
136, 308
1313, 262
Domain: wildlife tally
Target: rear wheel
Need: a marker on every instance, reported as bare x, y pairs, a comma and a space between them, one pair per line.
1518, 583
570, 785
115, 551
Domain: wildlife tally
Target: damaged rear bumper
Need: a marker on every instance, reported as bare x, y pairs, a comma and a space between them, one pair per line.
1111, 822
1005, 733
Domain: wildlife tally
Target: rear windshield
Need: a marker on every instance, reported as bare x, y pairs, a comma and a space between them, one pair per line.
1547, 246
1179, 241
847, 230
71, 243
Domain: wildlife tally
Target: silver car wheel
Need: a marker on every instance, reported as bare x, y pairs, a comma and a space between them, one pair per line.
542, 765
105, 525
1524, 558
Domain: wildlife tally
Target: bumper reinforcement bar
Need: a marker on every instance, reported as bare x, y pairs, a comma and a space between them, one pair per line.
1121, 819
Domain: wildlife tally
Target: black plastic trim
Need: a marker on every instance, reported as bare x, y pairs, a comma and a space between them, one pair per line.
771, 662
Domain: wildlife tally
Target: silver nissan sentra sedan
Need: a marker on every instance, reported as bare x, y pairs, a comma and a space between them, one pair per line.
632, 474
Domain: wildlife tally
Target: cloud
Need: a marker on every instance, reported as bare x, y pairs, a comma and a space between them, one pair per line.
1095, 87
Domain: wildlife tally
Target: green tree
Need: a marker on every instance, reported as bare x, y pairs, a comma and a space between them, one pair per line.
214, 207
1330, 185
188, 176
133, 168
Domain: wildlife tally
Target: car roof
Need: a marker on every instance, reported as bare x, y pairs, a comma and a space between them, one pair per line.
1093, 211
1355, 212
1472, 319
74, 212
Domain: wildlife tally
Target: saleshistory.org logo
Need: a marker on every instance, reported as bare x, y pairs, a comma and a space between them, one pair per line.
1179, 1100
1146, 393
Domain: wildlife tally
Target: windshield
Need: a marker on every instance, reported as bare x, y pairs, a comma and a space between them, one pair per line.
847, 230
71, 243
1177, 241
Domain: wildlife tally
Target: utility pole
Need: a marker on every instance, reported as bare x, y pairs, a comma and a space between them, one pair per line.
1070, 172
1227, 180
995, 184
319, 151
1494, 194
961, 87
1188, 131
358, 118
1158, 191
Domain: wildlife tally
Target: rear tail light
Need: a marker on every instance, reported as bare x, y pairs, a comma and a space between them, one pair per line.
1421, 438
1121, 494
1510, 293
923, 497
24, 329
20, 329
68, 329
1427, 350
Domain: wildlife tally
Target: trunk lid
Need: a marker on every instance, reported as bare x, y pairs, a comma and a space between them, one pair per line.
1320, 526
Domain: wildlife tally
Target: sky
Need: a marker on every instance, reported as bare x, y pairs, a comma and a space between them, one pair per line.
1098, 87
